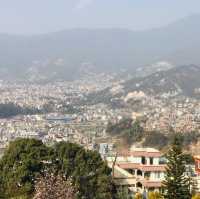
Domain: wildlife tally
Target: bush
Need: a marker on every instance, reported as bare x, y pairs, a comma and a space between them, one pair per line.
130, 131
156, 139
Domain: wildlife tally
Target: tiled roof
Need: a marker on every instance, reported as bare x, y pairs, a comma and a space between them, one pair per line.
149, 184
129, 165
141, 153
143, 167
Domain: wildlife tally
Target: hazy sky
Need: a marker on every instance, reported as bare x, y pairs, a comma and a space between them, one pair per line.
40, 16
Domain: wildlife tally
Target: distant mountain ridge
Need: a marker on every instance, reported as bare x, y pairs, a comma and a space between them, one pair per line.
63, 54
182, 80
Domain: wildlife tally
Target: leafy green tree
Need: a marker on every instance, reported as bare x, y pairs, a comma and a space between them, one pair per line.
26, 159
19, 166
64, 157
85, 168
129, 130
118, 128
134, 133
176, 183
156, 140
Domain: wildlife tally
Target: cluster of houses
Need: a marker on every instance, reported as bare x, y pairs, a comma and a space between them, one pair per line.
143, 169
185, 122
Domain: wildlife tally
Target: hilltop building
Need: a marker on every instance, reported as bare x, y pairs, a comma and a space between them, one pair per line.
140, 169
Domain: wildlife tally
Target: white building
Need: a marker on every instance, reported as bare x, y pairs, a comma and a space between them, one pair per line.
139, 169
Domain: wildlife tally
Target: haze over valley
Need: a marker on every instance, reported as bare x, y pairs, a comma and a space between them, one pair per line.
68, 53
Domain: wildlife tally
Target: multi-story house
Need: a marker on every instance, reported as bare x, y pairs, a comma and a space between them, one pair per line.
197, 172
139, 169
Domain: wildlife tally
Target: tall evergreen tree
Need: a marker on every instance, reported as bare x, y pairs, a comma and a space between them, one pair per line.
176, 183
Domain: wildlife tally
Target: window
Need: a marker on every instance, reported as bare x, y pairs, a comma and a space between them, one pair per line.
143, 160
139, 173
162, 160
139, 185
158, 175
147, 174
151, 161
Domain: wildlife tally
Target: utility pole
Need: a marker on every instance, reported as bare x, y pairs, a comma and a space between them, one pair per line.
113, 166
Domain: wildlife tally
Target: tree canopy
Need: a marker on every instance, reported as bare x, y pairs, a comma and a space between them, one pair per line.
130, 130
21, 163
26, 159
11, 110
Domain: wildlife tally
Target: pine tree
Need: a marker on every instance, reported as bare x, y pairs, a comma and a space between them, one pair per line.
176, 184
